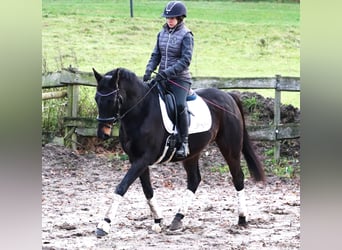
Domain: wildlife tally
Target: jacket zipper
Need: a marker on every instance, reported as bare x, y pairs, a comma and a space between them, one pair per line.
167, 48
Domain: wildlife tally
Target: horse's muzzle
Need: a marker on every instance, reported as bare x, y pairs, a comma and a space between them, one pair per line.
104, 130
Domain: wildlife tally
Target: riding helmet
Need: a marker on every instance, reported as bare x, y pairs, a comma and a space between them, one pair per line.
174, 9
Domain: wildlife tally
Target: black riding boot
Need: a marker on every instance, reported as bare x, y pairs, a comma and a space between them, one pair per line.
183, 128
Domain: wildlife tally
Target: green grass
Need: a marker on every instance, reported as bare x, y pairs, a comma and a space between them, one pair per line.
231, 38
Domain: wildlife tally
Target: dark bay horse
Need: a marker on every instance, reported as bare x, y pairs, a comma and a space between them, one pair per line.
122, 96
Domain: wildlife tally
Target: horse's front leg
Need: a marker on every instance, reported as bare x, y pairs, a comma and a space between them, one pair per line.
132, 174
151, 201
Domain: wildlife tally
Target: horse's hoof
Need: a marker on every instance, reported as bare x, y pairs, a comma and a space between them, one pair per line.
176, 224
103, 228
100, 233
242, 221
156, 228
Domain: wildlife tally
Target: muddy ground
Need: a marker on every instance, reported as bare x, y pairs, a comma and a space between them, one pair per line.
76, 186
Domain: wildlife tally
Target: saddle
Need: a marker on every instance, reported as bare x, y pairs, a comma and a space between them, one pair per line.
170, 102
170, 105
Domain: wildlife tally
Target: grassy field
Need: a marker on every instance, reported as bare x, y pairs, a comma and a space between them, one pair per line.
232, 39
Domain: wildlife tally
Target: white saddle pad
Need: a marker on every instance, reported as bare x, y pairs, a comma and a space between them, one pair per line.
199, 115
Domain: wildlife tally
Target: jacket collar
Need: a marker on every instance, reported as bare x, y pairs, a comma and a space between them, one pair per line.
178, 27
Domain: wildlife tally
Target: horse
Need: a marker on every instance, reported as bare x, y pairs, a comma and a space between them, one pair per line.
122, 96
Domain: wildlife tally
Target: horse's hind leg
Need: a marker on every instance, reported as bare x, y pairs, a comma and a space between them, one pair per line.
233, 161
238, 181
193, 180
151, 201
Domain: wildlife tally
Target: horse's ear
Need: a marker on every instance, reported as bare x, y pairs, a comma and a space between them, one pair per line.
97, 75
115, 78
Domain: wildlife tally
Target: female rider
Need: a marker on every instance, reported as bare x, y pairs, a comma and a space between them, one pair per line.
173, 53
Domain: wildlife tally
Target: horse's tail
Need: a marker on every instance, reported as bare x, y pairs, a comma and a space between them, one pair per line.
253, 162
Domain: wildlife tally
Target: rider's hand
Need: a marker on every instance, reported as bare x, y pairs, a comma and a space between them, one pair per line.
147, 77
161, 76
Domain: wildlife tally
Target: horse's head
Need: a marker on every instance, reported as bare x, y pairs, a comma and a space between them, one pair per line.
108, 100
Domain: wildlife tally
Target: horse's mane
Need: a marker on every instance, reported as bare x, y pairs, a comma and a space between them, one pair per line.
128, 75
125, 73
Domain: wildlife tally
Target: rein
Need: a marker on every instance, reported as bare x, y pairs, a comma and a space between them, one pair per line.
118, 117
205, 99
136, 104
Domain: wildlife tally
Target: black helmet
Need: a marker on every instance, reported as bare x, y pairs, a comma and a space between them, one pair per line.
174, 9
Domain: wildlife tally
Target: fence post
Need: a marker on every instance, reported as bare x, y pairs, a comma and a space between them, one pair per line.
277, 103
131, 7
73, 95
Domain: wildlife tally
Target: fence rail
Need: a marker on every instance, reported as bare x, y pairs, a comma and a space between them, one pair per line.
73, 79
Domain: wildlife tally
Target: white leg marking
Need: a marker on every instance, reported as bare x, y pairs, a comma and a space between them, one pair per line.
104, 226
155, 209
110, 214
242, 203
157, 214
185, 201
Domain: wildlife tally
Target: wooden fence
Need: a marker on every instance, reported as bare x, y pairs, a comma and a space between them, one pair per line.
73, 79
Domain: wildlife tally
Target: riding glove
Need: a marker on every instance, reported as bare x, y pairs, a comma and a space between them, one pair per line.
161, 77
147, 77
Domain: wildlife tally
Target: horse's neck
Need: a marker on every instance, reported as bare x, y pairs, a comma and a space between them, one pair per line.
137, 96
134, 91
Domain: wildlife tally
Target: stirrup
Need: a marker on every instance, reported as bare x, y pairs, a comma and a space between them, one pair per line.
183, 150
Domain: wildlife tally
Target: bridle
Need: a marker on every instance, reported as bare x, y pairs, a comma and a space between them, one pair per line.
117, 98
118, 102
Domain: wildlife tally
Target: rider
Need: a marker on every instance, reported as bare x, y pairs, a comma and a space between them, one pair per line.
173, 53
